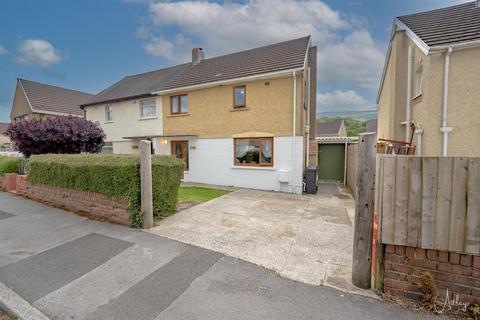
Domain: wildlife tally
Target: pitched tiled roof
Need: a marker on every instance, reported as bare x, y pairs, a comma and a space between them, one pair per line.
3, 127
445, 26
328, 128
276, 57
372, 125
44, 97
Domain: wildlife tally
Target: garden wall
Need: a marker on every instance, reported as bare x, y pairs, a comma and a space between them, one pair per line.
89, 204
459, 273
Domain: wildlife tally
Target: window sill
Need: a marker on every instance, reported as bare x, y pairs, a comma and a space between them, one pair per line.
178, 115
253, 168
239, 109
147, 118
109, 121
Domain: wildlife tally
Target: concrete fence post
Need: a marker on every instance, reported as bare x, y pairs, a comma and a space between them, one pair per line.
363, 228
146, 183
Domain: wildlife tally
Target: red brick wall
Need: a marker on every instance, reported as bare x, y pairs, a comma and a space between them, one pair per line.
85, 203
460, 273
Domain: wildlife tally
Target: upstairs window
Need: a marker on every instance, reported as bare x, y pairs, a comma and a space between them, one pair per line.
239, 97
253, 152
148, 108
108, 113
179, 104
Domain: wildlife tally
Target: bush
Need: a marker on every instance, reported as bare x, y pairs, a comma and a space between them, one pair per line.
116, 176
8, 165
56, 135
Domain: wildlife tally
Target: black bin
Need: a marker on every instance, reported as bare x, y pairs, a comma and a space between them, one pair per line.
311, 179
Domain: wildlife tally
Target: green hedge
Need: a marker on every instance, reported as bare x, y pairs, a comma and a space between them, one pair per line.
112, 175
8, 165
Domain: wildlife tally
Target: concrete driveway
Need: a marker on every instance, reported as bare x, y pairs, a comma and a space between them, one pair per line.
306, 238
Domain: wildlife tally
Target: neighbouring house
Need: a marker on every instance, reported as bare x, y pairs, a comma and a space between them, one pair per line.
430, 79
5, 143
240, 119
372, 125
331, 129
39, 100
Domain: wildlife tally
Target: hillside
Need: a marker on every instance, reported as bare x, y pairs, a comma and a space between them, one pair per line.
357, 115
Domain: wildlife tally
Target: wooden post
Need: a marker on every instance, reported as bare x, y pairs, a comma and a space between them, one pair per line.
363, 232
146, 183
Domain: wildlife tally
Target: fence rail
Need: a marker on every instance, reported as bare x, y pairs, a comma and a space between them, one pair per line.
430, 202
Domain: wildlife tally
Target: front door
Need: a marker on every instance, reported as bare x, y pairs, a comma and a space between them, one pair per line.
180, 151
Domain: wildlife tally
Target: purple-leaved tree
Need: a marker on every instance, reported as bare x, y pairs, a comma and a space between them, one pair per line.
56, 135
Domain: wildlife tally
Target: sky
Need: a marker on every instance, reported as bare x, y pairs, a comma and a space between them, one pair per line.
90, 44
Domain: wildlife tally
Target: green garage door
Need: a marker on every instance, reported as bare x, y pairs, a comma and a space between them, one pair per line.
331, 161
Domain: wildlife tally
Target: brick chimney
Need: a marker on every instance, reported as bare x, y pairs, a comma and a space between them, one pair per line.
197, 55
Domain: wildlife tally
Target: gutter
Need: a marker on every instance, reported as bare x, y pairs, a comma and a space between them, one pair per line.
443, 128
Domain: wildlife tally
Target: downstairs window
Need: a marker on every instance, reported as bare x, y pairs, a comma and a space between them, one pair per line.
253, 152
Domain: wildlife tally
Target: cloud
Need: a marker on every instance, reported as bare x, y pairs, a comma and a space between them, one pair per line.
2, 50
357, 58
347, 53
37, 52
342, 100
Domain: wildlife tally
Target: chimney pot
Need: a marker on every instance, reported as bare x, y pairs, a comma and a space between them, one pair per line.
197, 55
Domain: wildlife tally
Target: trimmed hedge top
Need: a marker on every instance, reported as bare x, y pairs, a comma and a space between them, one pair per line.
8, 165
112, 175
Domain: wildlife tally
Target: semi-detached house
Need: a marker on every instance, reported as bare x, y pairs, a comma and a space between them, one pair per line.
240, 119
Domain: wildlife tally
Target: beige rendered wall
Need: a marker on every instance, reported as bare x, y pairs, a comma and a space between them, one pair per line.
463, 104
211, 113
20, 104
4, 139
126, 121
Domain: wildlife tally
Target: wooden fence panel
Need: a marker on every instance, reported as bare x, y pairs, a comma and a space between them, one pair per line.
401, 200
414, 202
444, 200
388, 206
429, 197
472, 237
430, 202
458, 211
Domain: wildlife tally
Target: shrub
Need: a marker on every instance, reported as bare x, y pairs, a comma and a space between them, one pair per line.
8, 165
56, 135
116, 176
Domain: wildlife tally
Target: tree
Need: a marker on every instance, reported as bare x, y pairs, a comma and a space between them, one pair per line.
353, 126
56, 135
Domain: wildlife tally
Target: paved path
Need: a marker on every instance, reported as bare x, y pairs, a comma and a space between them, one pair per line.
69, 267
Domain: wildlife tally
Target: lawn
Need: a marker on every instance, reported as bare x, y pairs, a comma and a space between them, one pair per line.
195, 195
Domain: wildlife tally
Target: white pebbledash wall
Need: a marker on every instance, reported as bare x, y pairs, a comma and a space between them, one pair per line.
211, 162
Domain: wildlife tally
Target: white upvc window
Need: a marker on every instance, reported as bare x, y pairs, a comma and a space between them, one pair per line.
108, 113
148, 108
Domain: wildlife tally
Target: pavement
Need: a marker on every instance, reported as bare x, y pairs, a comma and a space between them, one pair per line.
308, 238
57, 265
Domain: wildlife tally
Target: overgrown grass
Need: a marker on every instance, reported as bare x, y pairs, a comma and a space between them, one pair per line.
196, 195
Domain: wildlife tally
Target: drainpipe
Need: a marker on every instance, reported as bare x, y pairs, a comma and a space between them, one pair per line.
444, 129
409, 92
294, 144
308, 116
